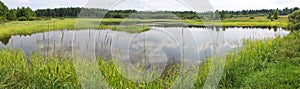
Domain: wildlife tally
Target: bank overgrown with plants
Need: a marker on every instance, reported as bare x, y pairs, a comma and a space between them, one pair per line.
270, 63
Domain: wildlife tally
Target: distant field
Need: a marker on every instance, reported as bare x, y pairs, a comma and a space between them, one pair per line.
29, 27
245, 21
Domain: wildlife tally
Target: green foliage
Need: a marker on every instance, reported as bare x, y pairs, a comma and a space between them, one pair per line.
2, 20
16, 14
276, 14
104, 13
3, 9
35, 18
31, 19
252, 17
41, 72
22, 18
11, 15
283, 75
264, 64
47, 18
294, 20
222, 14
61, 18
25, 12
269, 16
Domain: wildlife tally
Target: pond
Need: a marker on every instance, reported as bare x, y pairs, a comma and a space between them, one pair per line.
160, 44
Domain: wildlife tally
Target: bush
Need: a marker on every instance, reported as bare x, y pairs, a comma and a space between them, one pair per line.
2, 20
294, 20
35, 18
47, 18
31, 19
252, 17
61, 18
294, 26
22, 18
38, 18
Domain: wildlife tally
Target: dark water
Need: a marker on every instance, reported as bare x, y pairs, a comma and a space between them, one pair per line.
158, 44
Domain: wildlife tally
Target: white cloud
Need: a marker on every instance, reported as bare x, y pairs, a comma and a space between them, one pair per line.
24, 1
154, 4
253, 4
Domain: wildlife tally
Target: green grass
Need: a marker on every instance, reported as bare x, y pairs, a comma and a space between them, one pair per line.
244, 21
50, 72
40, 73
272, 63
280, 75
264, 64
30, 27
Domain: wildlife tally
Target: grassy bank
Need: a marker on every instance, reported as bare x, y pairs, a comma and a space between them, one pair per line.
30, 27
244, 22
265, 64
59, 73
271, 63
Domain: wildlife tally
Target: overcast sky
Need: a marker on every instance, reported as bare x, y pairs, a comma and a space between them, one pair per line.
156, 4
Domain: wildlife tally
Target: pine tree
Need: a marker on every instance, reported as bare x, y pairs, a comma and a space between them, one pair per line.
3, 9
269, 16
276, 14
25, 12
11, 15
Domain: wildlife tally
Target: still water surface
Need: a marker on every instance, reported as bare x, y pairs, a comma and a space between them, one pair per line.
159, 44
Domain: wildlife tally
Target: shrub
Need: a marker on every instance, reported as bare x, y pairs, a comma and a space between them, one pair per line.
61, 18
252, 17
294, 20
294, 26
47, 18
2, 20
22, 18
35, 18
269, 16
38, 18
31, 19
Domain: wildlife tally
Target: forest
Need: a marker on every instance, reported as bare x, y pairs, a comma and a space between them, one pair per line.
98, 13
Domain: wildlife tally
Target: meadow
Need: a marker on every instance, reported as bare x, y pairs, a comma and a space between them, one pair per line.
30, 27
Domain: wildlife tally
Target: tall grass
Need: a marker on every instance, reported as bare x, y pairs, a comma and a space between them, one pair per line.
50, 72
255, 65
39, 72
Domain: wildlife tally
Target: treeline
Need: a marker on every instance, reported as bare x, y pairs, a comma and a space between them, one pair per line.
104, 13
26, 13
21, 14
262, 12
99, 13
